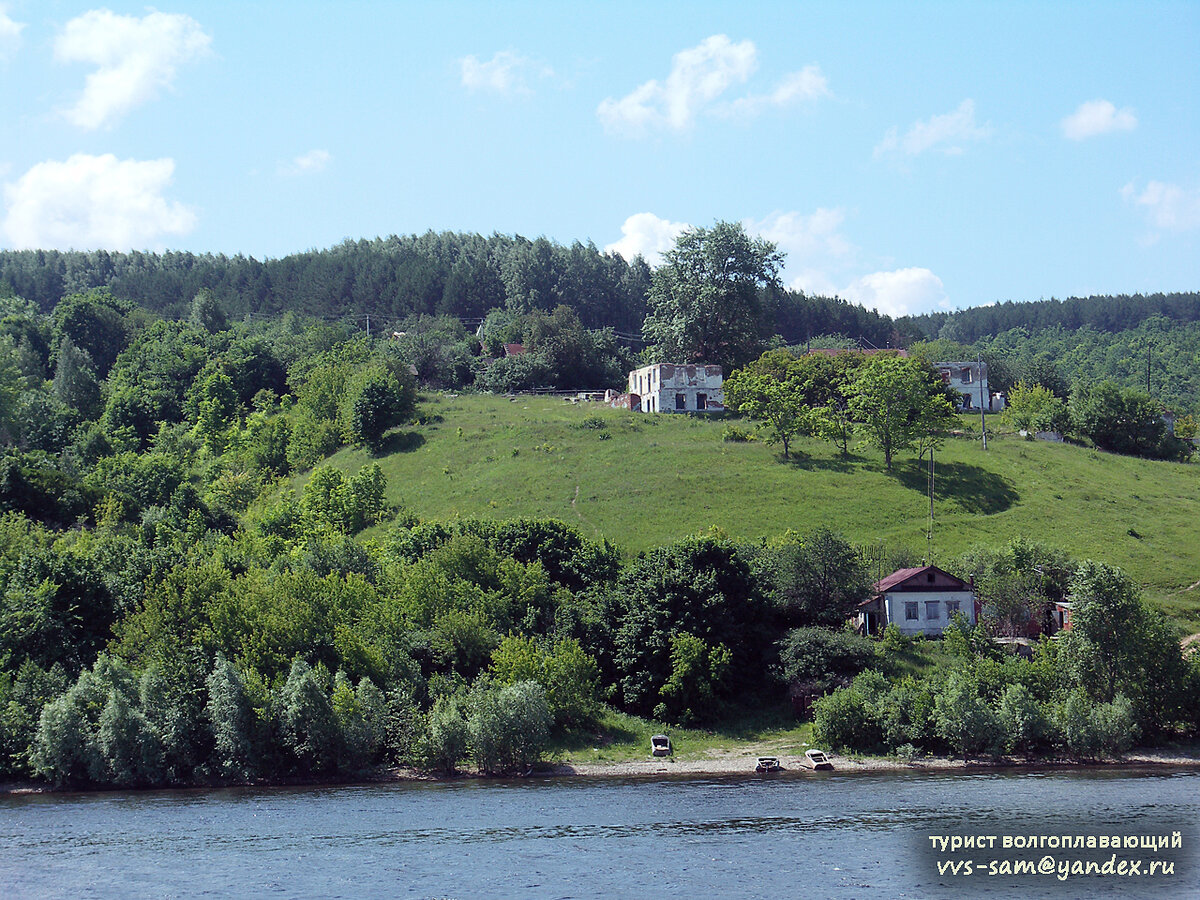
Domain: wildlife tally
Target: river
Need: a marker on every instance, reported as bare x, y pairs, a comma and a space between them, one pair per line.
827, 835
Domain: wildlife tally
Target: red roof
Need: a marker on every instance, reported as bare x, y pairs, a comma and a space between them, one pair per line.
514, 349
838, 351
900, 576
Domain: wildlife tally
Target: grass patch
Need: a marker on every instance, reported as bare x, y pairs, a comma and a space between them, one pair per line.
658, 478
620, 737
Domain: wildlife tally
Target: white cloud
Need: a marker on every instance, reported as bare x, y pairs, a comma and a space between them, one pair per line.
795, 87
309, 163
945, 133
804, 238
1097, 117
10, 34
134, 59
698, 78
899, 293
1169, 207
505, 73
94, 202
647, 235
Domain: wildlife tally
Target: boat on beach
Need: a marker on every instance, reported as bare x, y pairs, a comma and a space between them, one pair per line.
817, 760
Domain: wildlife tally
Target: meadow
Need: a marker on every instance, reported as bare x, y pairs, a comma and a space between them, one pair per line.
642, 481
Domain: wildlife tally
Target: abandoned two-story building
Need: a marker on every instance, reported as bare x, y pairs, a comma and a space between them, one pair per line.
970, 381
676, 388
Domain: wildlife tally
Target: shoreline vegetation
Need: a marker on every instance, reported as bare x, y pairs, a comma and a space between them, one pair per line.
714, 762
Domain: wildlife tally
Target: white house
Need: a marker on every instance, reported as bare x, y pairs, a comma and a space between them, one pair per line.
671, 388
917, 601
970, 382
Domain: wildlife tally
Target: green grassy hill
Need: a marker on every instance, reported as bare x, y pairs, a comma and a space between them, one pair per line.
642, 481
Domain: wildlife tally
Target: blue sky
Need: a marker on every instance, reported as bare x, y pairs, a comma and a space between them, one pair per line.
908, 156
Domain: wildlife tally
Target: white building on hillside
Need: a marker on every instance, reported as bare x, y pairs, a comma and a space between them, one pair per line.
670, 387
921, 600
970, 382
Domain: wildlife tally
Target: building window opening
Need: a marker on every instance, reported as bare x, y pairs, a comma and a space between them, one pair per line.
702, 401
681, 401
910, 611
931, 610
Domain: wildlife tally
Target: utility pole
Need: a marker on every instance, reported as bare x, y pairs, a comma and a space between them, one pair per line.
929, 533
368, 324
982, 417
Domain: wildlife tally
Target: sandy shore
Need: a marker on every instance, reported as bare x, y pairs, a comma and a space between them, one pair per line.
740, 763
720, 763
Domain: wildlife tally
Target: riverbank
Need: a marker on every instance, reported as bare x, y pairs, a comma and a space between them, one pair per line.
715, 763
739, 763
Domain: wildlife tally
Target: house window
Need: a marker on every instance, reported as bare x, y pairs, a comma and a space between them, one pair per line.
681, 401
702, 401
910, 611
966, 376
951, 608
931, 610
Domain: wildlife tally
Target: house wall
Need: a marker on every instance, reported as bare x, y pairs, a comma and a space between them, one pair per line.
894, 606
661, 385
964, 378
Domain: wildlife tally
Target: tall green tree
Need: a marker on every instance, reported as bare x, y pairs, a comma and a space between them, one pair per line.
779, 404
1032, 407
75, 382
706, 300
899, 402
1124, 420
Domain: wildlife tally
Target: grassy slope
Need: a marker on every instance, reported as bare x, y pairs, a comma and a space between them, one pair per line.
655, 479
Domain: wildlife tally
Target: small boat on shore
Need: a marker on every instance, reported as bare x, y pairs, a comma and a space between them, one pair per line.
660, 745
817, 760
768, 764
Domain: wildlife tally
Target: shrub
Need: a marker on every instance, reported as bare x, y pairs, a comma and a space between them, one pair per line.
821, 655
844, 719
964, 720
568, 675
446, 735
308, 727
1023, 720
736, 435
509, 727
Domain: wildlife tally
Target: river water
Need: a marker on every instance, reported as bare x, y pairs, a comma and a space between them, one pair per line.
814, 835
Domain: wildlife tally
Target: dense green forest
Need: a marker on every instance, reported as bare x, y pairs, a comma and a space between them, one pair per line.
1120, 312
438, 287
396, 279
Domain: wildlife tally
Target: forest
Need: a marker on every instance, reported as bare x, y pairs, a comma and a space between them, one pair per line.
437, 288
396, 279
